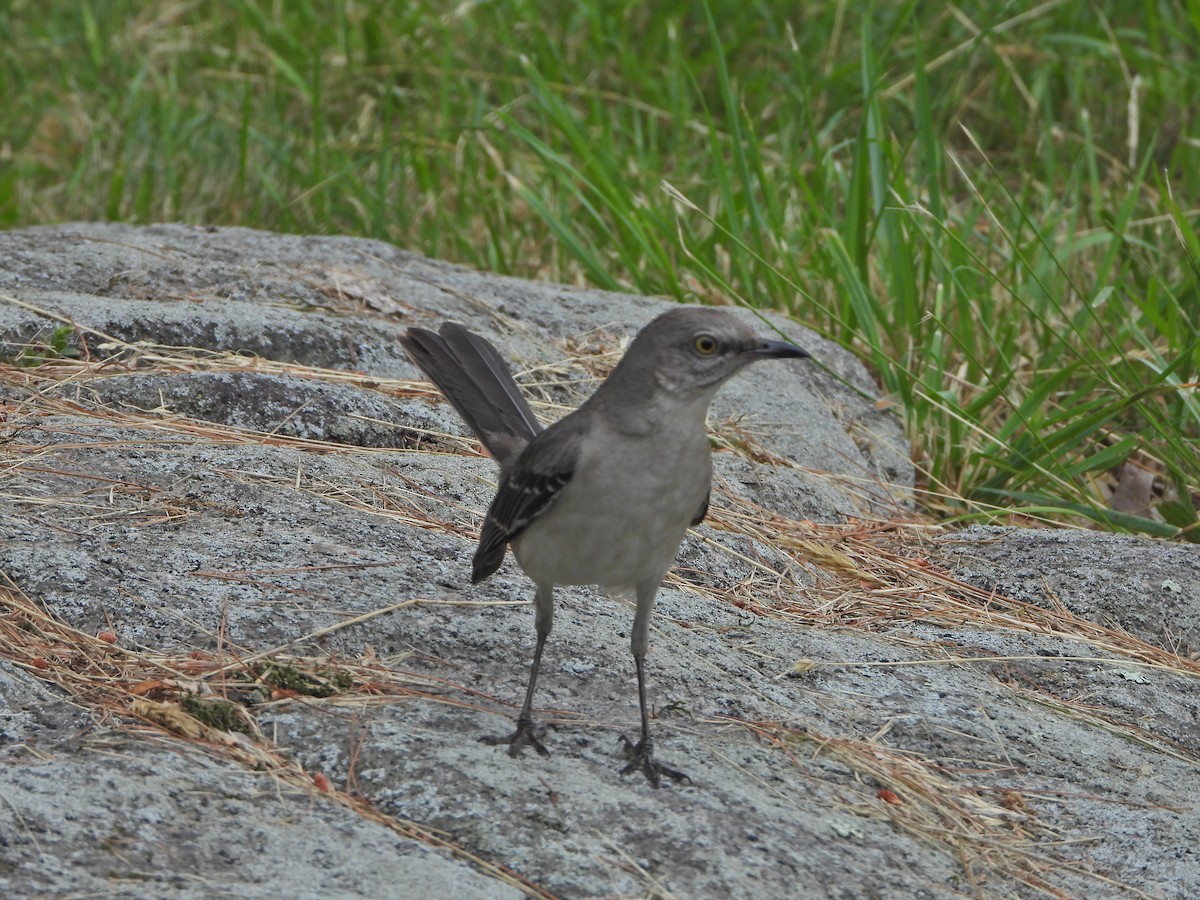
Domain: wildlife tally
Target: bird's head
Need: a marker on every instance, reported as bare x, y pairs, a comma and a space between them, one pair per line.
694, 350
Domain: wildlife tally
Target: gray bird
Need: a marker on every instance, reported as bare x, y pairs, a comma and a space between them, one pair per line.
604, 496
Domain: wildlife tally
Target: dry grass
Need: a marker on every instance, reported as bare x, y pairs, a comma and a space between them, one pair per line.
870, 576
144, 692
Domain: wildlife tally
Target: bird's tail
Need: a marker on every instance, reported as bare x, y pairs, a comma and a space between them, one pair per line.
473, 376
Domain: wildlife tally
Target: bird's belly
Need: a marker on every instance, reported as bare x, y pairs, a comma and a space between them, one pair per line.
616, 528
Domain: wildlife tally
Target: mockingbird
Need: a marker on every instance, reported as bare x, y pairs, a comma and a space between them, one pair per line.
605, 495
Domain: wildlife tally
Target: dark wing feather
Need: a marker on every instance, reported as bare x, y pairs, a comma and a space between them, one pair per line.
703, 511
535, 481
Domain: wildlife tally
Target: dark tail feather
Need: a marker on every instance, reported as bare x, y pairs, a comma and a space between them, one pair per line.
474, 377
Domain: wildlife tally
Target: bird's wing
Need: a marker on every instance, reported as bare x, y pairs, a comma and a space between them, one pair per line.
703, 511
526, 491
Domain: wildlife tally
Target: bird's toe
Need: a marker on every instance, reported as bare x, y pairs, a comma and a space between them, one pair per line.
641, 758
526, 735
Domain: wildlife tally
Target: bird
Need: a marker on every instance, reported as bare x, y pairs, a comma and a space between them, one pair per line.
605, 495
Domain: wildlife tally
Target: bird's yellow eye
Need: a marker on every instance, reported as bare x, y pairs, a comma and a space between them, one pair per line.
705, 344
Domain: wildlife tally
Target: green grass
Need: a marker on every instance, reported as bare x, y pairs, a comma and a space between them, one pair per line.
994, 205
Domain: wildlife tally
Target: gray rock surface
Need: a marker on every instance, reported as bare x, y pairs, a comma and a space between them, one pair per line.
1147, 588
102, 815
308, 501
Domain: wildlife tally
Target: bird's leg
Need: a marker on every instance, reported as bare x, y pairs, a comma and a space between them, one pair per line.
641, 754
525, 735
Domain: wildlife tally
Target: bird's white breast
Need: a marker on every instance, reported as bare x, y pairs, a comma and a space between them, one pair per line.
620, 519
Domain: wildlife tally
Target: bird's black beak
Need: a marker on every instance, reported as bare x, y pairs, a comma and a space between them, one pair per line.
777, 350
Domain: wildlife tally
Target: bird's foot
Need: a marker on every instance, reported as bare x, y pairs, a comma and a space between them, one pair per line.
523, 737
641, 756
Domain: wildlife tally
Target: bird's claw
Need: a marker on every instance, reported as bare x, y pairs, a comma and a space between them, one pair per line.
641, 756
523, 737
